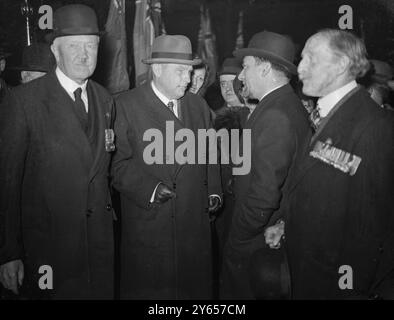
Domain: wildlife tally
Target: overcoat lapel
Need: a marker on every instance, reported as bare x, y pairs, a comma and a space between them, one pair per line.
64, 120
102, 108
160, 114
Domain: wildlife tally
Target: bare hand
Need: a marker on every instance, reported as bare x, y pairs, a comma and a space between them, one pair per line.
11, 275
163, 194
274, 234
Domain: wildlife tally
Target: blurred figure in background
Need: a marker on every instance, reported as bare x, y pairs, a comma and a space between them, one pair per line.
37, 61
378, 83
3, 85
199, 79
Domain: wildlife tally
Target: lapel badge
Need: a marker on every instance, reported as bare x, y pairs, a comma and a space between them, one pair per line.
109, 140
339, 159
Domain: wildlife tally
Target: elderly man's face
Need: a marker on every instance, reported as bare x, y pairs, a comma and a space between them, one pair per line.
227, 89
251, 78
76, 56
317, 69
173, 79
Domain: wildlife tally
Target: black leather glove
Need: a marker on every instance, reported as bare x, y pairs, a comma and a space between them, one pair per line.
163, 194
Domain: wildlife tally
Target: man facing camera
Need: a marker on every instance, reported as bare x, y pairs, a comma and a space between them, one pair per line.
55, 131
166, 237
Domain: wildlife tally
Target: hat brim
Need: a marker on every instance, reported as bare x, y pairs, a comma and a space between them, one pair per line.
241, 53
169, 60
229, 70
50, 37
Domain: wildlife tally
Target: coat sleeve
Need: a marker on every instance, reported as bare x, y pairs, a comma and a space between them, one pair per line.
272, 155
128, 176
14, 144
213, 170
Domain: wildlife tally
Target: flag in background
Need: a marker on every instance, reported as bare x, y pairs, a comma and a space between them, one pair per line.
206, 49
116, 78
239, 42
148, 24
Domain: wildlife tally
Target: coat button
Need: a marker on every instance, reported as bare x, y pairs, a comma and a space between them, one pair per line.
89, 212
108, 207
380, 249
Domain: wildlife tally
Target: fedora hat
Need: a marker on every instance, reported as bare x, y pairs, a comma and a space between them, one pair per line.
230, 66
74, 20
37, 57
172, 49
272, 46
269, 275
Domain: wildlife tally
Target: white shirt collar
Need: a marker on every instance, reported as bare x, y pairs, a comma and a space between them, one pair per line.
164, 99
70, 86
266, 94
326, 103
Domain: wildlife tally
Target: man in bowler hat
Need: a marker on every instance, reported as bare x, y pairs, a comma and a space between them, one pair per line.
166, 238
56, 139
279, 127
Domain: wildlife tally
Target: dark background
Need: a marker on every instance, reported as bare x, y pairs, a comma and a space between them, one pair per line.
372, 19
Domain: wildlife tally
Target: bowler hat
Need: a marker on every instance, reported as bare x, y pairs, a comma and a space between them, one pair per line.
74, 20
37, 57
382, 71
272, 46
269, 274
230, 66
172, 49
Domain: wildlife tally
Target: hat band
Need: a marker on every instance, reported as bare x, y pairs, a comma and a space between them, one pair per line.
172, 55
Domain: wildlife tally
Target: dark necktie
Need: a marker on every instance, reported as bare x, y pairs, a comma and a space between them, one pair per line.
79, 108
170, 105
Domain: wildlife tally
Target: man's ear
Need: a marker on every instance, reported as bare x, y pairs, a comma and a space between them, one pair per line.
55, 50
156, 69
343, 64
264, 68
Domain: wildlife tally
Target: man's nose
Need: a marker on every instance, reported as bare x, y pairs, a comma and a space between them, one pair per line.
301, 66
241, 75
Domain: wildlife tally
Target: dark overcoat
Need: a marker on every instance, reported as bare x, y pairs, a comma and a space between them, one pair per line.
166, 249
54, 197
279, 128
336, 219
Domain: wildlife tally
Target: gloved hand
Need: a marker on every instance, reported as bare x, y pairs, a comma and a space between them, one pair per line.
163, 194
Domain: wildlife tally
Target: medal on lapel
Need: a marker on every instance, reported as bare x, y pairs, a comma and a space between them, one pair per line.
339, 159
109, 135
109, 140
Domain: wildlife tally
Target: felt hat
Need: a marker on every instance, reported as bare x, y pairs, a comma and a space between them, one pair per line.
382, 71
272, 46
230, 66
172, 49
74, 20
37, 57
